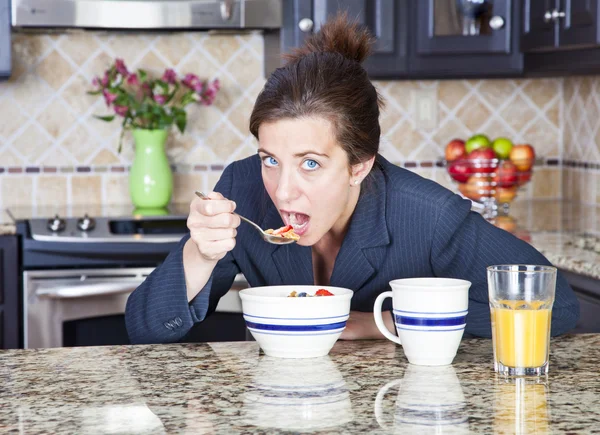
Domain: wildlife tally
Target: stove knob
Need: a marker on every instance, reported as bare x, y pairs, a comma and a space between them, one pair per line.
56, 224
86, 223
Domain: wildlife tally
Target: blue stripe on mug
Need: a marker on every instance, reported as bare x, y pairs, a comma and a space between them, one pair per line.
295, 328
424, 321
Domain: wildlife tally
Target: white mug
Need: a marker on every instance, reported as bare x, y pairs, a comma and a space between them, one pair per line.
430, 317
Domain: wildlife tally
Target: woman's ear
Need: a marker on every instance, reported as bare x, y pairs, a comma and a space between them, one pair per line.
361, 170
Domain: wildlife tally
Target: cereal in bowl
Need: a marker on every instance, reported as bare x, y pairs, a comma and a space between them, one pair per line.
320, 292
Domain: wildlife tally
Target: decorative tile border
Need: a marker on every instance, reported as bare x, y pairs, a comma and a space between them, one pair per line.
186, 168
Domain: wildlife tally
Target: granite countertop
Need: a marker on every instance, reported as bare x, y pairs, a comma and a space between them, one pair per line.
361, 387
556, 228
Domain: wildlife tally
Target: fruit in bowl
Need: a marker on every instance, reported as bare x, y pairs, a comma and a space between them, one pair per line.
295, 327
489, 171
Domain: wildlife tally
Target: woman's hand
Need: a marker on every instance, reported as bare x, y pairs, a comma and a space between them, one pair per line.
213, 226
361, 326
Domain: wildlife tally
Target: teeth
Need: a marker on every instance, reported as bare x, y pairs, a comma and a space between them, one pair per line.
293, 219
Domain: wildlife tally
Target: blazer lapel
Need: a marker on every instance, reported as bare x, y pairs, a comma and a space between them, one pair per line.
367, 232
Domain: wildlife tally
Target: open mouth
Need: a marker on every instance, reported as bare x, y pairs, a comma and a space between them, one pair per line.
297, 220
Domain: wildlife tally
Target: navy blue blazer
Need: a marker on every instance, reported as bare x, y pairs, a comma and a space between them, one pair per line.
403, 226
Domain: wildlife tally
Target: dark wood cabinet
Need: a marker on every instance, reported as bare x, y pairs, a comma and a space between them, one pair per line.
386, 19
587, 291
579, 27
539, 32
9, 293
554, 25
454, 39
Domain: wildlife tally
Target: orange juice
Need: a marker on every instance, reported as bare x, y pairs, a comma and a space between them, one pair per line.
521, 333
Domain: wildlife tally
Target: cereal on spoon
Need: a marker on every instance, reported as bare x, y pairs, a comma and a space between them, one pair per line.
286, 232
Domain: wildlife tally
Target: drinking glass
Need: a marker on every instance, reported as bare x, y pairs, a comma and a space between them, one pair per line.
521, 298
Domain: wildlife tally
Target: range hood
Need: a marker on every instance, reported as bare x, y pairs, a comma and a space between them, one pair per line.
147, 14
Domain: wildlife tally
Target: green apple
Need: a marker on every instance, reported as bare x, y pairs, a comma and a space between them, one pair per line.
502, 147
477, 141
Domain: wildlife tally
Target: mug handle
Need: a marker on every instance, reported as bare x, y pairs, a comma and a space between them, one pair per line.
379, 416
379, 319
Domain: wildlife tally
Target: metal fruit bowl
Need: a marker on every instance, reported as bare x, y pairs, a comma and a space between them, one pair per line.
491, 182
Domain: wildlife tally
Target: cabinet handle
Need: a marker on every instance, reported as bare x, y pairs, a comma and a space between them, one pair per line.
306, 24
496, 22
553, 16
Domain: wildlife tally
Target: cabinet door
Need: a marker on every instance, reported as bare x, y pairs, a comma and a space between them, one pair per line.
386, 19
579, 26
464, 38
463, 26
9, 293
539, 31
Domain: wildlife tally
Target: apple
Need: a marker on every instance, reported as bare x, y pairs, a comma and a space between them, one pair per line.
506, 174
505, 195
482, 160
523, 156
477, 141
455, 150
523, 177
477, 187
460, 170
507, 223
502, 147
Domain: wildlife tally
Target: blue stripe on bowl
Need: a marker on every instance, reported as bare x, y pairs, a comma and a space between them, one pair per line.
295, 328
344, 317
430, 322
296, 334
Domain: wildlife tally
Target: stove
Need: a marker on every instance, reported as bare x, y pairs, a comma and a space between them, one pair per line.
80, 264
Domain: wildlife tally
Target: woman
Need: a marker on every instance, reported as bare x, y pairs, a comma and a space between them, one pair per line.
362, 221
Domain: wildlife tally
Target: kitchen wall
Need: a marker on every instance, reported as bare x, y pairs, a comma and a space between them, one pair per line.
581, 179
52, 150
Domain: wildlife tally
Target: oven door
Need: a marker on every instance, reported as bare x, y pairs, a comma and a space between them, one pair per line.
85, 307
59, 305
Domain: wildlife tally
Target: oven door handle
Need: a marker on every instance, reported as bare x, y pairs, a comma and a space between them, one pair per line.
86, 290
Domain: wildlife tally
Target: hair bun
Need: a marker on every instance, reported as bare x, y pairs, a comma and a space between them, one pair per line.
337, 35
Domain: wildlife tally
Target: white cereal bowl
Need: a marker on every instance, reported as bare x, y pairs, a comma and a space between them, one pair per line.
295, 327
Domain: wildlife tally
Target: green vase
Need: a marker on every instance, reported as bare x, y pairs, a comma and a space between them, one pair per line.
150, 178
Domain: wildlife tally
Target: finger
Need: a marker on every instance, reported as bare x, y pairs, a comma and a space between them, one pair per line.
214, 235
214, 207
197, 221
215, 249
215, 195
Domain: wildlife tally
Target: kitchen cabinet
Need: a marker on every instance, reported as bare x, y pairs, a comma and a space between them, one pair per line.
588, 293
9, 293
464, 38
552, 25
386, 19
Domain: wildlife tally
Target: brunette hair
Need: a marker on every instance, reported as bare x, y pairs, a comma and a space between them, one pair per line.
325, 78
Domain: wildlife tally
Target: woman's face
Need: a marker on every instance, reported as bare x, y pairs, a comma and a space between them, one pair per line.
306, 174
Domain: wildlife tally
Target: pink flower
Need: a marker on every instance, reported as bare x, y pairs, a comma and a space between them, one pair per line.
96, 82
121, 68
160, 99
216, 84
169, 76
108, 97
133, 80
121, 110
193, 82
105, 80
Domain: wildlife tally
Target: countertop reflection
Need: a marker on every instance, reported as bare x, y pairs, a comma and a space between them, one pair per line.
361, 387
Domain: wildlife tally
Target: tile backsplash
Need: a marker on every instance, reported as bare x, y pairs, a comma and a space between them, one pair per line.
52, 149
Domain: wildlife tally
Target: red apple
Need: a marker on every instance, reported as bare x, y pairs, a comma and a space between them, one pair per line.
455, 150
506, 174
460, 170
482, 160
523, 177
522, 156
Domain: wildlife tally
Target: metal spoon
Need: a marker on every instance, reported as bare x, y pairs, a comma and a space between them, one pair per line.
271, 238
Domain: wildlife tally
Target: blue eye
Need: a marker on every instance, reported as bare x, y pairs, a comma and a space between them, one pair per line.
310, 165
269, 161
